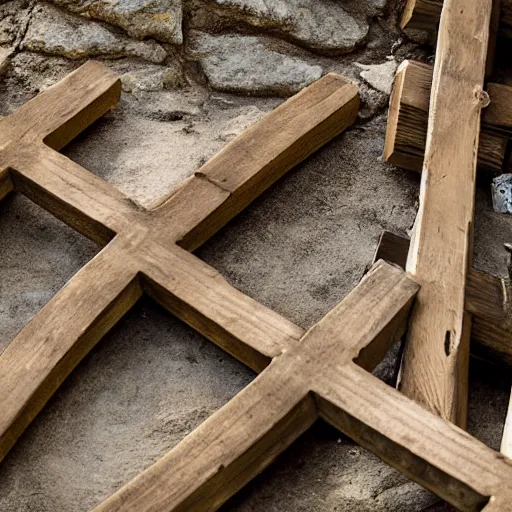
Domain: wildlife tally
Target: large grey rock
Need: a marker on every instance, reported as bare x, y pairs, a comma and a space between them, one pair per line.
7, 27
250, 65
59, 33
161, 19
322, 25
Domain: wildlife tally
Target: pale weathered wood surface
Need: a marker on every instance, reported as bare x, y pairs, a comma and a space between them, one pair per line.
243, 437
425, 15
487, 299
142, 255
406, 133
434, 367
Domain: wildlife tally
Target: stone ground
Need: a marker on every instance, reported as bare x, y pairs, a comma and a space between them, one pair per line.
195, 74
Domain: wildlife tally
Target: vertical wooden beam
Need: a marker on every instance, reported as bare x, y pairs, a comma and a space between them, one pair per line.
435, 363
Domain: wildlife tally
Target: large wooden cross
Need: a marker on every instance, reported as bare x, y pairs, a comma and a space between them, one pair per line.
304, 376
146, 251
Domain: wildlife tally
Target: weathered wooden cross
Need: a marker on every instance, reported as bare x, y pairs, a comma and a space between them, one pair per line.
304, 376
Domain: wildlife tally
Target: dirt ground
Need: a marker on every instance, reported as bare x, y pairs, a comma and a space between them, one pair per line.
298, 249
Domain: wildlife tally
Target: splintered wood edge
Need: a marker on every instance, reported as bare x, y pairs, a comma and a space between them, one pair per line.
487, 299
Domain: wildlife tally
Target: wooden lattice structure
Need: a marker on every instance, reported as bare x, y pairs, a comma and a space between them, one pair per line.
321, 373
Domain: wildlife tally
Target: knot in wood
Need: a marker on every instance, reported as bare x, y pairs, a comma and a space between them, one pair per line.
482, 97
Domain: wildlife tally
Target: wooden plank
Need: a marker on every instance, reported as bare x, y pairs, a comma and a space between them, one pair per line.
45, 352
74, 195
425, 15
436, 454
61, 112
422, 14
406, 133
435, 361
498, 114
243, 437
199, 295
487, 299
289, 134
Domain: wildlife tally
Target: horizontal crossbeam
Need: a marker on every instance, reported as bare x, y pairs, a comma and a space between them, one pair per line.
256, 159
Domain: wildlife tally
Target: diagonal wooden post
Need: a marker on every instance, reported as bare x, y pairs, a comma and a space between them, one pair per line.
318, 378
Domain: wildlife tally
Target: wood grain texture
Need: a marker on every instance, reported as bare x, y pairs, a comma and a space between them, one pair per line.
301, 373
142, 255
406, 133
498, 114
243, 437
434, 369
488, 299
201, 297
422, 14
429, 450
289, 134
45, 352
425, 15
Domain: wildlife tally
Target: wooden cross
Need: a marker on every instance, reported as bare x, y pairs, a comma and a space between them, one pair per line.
312, 374
146, 251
